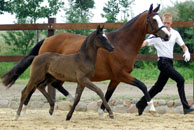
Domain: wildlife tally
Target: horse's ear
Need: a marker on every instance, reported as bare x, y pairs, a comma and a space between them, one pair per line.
157, 8
98, 30
151, 8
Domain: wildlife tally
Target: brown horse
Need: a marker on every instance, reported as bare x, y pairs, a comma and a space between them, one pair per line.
115, 66
78, 67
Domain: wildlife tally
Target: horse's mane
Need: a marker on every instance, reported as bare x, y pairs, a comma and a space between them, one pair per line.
130, 22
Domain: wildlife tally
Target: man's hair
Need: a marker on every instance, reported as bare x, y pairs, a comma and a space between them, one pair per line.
167, 16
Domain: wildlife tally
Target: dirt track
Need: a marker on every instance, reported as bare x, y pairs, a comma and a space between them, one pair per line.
41, 120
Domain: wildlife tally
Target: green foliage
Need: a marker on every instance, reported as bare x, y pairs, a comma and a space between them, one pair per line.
113, 7
111, 10
33, 9
21, 41
28, 12
79, 12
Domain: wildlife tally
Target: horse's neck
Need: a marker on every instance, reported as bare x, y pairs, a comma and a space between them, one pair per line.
131, 36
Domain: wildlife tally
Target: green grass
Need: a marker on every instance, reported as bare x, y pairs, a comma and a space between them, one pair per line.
146, 75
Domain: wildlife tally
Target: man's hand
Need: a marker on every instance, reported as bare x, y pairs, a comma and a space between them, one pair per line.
186, 56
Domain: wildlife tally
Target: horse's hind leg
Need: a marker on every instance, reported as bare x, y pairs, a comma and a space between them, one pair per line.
58, 85
49, 99
142, 86
78, 94
94, 88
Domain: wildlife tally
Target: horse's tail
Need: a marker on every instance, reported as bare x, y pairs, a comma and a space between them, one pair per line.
12, 75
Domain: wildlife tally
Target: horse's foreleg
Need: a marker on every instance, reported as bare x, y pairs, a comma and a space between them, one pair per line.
94, 88
110, 90
49, 99
58, 85
78, 94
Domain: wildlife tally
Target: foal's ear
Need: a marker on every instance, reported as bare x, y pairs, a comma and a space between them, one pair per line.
151, 8
98, 30
102, 28
157, 8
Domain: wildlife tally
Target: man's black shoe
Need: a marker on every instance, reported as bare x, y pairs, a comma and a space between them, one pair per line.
140, 109
186, 111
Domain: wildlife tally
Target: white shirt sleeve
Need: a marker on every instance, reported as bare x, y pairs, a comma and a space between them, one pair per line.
151, 40
179, 39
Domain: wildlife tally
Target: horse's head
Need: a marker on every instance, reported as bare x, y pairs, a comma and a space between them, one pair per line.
155, 25
101, 41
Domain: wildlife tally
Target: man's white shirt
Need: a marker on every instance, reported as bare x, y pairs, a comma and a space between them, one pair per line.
165, 48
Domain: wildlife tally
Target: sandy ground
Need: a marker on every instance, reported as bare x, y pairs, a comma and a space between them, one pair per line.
41, 120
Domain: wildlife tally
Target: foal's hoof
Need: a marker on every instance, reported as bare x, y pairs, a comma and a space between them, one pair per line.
51, 111
16, 117
111, 116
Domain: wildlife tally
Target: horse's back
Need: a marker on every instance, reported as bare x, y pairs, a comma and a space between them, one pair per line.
63, 43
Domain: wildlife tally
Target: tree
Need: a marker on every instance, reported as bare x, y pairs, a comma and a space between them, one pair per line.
79, 12
3, 8
111, 10
28, 11
33, 9
126, 9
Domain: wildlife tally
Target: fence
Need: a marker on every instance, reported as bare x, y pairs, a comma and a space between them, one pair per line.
52, 26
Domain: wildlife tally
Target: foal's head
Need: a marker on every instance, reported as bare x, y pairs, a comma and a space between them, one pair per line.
101, 40
155, 24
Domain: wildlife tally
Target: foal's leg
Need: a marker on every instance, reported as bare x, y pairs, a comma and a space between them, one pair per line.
78, 94
25, 93
25, 106
49, 99
110, 90
94, 88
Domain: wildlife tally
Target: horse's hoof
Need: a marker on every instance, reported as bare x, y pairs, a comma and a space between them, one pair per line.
68, 118
152, 112
70, 98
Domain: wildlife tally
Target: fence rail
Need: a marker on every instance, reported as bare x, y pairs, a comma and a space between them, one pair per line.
140, 57
53, 26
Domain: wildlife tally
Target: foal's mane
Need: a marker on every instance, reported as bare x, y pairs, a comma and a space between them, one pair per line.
88, 40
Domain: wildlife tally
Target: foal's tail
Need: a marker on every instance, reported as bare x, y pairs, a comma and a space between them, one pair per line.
12, 75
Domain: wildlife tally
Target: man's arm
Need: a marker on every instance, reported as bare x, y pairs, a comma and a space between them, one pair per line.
145, 43
185, 48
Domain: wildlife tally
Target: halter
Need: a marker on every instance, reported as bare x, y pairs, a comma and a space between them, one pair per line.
155, 31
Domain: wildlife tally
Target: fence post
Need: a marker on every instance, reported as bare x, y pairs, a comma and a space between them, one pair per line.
51, 31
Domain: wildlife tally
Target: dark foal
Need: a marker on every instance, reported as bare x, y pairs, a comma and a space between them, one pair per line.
78, 67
